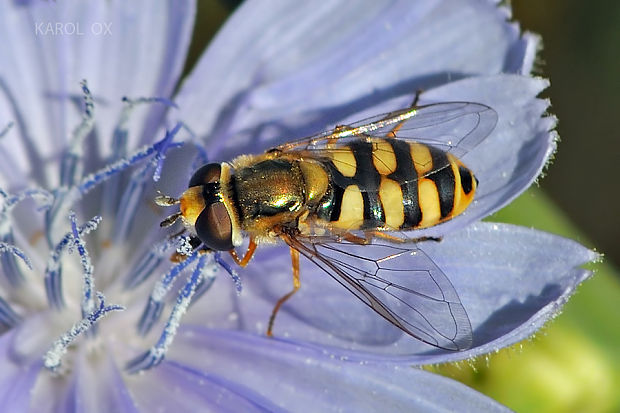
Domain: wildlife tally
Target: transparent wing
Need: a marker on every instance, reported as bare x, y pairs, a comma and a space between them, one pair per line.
448, 127
454, 127
401, 283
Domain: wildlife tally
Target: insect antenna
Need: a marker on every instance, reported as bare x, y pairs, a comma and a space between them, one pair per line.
164, 201
170, 220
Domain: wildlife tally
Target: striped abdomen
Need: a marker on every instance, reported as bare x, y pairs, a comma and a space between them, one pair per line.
393, 184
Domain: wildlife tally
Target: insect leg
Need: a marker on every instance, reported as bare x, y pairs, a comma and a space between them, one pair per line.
354, 239
397, 240
369, 235
416, 98
170, 220
296, 285
247, 256
392, 133
385, 236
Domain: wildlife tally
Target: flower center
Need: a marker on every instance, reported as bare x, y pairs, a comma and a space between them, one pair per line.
49, 317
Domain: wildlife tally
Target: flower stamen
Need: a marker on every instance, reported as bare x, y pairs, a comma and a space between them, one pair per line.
12, 249
88, 301
12, 271
120, 135
156, 354
66, 197
158, 148
161, 148
155, 304
233, 274
69, 166
53, 274
149, 261
53, 357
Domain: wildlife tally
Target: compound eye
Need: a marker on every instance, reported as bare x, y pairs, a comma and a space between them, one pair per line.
205, 174
214, 227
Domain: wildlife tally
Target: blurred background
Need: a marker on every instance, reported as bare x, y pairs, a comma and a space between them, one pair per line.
581, 56
573, 365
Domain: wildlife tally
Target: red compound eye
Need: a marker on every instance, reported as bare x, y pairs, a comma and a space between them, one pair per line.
205, 174
214, 227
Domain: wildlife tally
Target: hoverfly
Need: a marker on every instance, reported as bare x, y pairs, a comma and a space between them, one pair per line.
329, 193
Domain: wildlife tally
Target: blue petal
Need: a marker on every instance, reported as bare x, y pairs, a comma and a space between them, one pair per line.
92, 383
125, 49
177, 386
17, 379
111, 389
511, 280
290, 70
294, 379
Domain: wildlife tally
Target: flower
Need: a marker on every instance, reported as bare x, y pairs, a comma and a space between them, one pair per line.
272, 74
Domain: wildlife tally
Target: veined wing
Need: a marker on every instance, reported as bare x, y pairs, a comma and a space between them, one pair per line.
401, 283
453, 127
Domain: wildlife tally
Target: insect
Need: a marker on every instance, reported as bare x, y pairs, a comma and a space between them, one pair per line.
362, 184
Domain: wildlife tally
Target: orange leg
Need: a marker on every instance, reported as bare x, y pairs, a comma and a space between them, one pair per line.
247, 256
385, 236
354, 239
296, 285
369, 235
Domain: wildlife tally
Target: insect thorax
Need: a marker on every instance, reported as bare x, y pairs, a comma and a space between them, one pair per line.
276, 191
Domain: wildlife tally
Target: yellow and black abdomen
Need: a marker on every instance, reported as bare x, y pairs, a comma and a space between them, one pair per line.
393, 184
